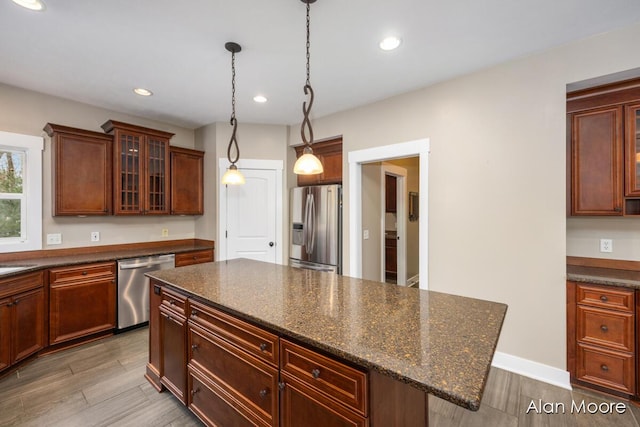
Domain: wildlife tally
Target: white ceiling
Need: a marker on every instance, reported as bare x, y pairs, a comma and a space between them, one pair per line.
96, 52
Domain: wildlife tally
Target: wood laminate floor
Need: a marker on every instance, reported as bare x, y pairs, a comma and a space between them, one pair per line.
102, 384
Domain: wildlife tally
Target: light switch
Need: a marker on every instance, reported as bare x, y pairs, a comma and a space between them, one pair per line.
365, 234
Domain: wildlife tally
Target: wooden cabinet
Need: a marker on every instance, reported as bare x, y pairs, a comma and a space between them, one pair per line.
194, 257
141, 169
236, 362
173, 342
152, 373
604, 150
22, 318
321, 388
82, 169
82, 301
601, 331
390, 190
187, 181
330, 154
391, 259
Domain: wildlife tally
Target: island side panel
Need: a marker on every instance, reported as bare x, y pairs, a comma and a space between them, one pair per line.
394, 403
153, 367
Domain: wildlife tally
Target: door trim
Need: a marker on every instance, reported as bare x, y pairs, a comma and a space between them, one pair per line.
275, 165
420, 148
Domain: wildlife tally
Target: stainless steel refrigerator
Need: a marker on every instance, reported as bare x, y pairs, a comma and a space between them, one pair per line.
315, 240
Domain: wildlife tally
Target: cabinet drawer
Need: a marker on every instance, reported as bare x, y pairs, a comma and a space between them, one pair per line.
606, 368
299, 401
82, 272
246, 379
605, 297
250, 338
210, 407
344, 383
173, 301
194, 257
605, 327
21, 283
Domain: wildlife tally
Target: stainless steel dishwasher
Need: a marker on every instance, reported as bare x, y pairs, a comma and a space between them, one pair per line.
133, 288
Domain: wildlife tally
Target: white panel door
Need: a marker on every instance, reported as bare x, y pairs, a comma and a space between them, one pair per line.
251, 216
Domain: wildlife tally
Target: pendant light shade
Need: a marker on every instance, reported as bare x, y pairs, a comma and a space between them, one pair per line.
307, 164
233, 176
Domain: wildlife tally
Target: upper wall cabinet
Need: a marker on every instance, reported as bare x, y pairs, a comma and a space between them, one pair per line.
82, 171
141, 169
604, 150
330, 154
187, 181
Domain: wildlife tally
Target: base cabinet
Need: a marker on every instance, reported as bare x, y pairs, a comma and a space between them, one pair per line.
82, 301
230, 372
601, 337
22, 318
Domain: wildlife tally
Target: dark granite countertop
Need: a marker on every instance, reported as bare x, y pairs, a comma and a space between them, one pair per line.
604, 276
442, 344
95, 254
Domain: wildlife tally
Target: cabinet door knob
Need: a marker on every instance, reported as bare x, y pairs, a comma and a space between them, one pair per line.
172, 302
194, 346
194, 391
16, 301
604, 328
84, 273
282, 385
604, 298
605, 368
194, 313
264, 392
9, 304
263, 347
315, 373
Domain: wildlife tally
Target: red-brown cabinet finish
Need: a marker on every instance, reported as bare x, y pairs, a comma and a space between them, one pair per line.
194, 257
22, 318
82, 171
141, 169
596, 162
632, 139
173, 352
187, 181
329, 153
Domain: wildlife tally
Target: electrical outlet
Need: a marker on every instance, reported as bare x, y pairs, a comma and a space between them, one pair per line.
95, 236
165, 232
54, 239
606, 245
365, 234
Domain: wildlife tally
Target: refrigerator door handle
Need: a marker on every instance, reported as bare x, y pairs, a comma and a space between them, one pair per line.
312, 225
305, 225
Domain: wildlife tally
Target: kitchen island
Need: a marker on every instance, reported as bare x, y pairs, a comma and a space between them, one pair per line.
320, 348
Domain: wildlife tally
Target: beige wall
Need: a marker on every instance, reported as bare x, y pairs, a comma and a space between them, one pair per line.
371, 202
27, 112
584, 234
497, 227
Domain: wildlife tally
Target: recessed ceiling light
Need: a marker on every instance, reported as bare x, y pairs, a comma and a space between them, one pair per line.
260, 99
143, 92
390, 43
37, 5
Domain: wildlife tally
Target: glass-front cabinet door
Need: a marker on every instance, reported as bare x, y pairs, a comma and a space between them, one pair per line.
632, 141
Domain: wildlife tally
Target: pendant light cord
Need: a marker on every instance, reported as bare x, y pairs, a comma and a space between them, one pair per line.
233, 122
305, 128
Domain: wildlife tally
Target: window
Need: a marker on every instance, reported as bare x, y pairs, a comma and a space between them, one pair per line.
20, 192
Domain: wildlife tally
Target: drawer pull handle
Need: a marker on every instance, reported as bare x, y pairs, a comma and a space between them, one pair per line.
605, 368
194, 313
84, 273
194, 391
172, 302
315, 373
604, 328
194, 347
604, 298
195, 257
263, 393
263, 347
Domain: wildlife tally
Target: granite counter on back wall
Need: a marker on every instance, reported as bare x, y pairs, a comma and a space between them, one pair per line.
439, 343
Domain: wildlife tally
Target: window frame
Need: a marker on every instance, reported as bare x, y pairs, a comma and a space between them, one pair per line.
31, 210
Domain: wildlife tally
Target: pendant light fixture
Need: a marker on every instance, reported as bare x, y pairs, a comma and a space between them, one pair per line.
307, 164
232, 175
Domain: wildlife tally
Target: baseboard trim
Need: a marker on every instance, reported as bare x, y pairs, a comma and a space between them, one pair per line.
531, 369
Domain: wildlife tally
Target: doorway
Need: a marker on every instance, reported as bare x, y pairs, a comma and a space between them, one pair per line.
356, 159
393, 244
250, 215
